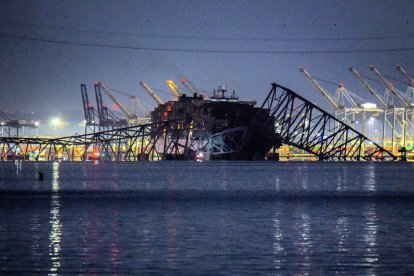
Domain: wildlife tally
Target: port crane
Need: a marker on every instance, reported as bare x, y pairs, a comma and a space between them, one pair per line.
382, 100
7, 125
407, 115
342, 97
175, 89
410, 88
151, 92
404, 99
135, 101
392, 116
107, 119
89, 111
132, 118
405, 74
324, 92
188, 85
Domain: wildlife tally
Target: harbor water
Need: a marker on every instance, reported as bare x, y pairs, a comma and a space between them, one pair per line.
226, 218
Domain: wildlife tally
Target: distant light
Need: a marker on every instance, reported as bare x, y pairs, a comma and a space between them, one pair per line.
369, 105
56, 121
36, 124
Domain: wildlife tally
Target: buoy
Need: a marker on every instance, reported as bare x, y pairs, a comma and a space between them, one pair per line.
40, 176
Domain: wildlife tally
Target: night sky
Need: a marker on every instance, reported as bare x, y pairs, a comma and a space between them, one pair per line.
49, 47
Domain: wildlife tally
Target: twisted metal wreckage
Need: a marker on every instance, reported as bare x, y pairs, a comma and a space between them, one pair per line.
294, 121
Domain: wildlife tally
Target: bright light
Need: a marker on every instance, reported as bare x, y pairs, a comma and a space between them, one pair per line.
199, 156
36, 124
56, 121
369, 105
371, 119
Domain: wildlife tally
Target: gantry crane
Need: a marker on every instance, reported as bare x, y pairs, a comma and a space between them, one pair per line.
89, 111
342, 95
391, 114
151, 92
7, 125
405, 74
410, 88
325, 93
381, 100
400, 95
136, 101
132, 118
107, 119
188, 85
407, 115
171, 84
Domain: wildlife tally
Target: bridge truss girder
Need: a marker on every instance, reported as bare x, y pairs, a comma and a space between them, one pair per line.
155, 141
304, 125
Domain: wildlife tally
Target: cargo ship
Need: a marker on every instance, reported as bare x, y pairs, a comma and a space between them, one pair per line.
233, 129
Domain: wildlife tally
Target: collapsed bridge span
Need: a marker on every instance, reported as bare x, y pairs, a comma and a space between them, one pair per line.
284, 117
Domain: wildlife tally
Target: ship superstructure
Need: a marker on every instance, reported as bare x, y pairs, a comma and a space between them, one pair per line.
221, 121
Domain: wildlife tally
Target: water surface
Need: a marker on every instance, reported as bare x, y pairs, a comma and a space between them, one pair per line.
207, 218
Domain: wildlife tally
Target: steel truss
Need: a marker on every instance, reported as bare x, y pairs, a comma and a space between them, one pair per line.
284, 117
229, 141
302, 124
155, 141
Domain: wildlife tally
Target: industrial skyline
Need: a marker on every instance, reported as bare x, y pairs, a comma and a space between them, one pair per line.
48, 49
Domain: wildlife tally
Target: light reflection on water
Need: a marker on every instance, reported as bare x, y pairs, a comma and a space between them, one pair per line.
371, 231
55, 236
370, 182
343, 235
203, 232
304, 242
278, 249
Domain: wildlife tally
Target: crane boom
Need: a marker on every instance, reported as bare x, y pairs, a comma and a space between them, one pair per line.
85, 101
187, 84
389, 85
151, 92
174, 88
320, 88
4, 116
88, 109
127, 113
368, 87
406, 75
343, 93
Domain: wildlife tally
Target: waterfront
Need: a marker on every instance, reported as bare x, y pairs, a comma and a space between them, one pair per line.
207, 218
